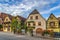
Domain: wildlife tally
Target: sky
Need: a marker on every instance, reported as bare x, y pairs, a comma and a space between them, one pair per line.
25, 7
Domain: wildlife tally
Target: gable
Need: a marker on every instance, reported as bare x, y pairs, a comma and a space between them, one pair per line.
18, 19
35, 13
7, 19
52, 18
40, 18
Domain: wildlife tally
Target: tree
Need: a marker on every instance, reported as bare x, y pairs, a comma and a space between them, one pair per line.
14, 25
25, 27
1, 26
19, 27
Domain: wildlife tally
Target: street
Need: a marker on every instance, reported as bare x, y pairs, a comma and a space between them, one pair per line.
11, 36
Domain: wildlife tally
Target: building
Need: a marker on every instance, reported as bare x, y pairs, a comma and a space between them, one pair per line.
7, 23
6, 19
2, 17
36, 21
59, 21
20, 19
52, 23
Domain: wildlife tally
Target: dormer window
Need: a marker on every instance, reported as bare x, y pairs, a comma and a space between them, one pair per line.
36, 17
6, 19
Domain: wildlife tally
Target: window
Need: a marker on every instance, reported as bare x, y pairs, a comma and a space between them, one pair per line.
33, 24
28, 24
6, 19
39, 23
52, 24
36, 17
31, 17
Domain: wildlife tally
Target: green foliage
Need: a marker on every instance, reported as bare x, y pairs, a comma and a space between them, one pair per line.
17, 25
14, 24
1, 26
46, 32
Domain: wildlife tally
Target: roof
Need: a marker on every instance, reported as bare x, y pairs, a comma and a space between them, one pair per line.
51, 15
3, 15
59, 18
34, 12
20, 17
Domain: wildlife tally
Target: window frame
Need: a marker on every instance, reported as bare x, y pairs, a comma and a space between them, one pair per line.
31, 17
39, 23
36, 17
52, 24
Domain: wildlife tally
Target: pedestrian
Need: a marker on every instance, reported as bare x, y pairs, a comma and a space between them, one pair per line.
31, 32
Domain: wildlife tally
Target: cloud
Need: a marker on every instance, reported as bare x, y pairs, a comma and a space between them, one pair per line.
19, 8
51, 9
58, 16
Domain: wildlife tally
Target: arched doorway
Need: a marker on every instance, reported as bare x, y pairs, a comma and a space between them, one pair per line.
39, 30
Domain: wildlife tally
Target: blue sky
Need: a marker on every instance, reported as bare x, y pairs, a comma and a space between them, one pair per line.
25, 7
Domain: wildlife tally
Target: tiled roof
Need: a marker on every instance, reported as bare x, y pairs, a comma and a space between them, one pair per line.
34, 12
59, 18
22, 18
3, 15
51, 15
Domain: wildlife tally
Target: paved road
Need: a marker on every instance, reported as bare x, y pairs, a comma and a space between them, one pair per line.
10, 36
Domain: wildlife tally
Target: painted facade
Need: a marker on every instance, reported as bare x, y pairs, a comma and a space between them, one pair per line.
53, 23
36, 20
59, 21
7, 24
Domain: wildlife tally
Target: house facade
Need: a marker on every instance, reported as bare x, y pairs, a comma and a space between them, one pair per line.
52, 23
1, 21
59, 21
2, 17
7, 23
36, 20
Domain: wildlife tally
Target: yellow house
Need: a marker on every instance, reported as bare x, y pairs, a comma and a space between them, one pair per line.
7, 23
59, 21
53, 23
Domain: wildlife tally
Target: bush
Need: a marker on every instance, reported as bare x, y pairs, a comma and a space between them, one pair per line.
1, 27
48, 32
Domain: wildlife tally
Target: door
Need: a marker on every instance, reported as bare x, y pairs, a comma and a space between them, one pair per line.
8, 29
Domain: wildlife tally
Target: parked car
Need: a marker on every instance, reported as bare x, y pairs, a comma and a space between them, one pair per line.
57, 34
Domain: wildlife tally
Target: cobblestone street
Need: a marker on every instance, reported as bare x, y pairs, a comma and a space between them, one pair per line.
11, 36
